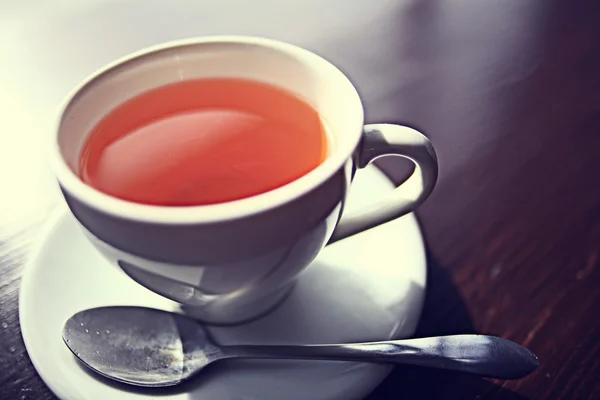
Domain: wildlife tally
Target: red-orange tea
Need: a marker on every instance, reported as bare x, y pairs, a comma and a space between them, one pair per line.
202, 142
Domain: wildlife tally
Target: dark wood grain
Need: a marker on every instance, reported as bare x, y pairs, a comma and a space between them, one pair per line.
509, 92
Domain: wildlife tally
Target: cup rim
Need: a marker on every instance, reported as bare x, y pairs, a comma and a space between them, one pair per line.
210, 213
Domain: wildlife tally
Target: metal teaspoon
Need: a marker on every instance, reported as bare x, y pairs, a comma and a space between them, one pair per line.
148, 347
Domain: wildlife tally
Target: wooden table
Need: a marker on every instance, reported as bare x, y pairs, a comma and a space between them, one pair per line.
508, 91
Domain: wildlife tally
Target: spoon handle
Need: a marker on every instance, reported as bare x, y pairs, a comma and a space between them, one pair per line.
487, 356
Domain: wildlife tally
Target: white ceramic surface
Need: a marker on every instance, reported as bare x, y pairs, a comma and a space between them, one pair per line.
367, 287
241, 253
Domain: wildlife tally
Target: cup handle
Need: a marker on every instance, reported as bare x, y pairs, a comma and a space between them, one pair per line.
380, 140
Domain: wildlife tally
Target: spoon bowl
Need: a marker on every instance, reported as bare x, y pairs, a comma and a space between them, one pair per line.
140, 346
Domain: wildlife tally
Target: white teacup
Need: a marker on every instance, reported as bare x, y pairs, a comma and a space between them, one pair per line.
233, 261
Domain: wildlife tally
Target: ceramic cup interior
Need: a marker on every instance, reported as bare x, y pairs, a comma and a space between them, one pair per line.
299, 71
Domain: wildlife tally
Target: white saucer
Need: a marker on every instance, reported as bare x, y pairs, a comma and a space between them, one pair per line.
368, 287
